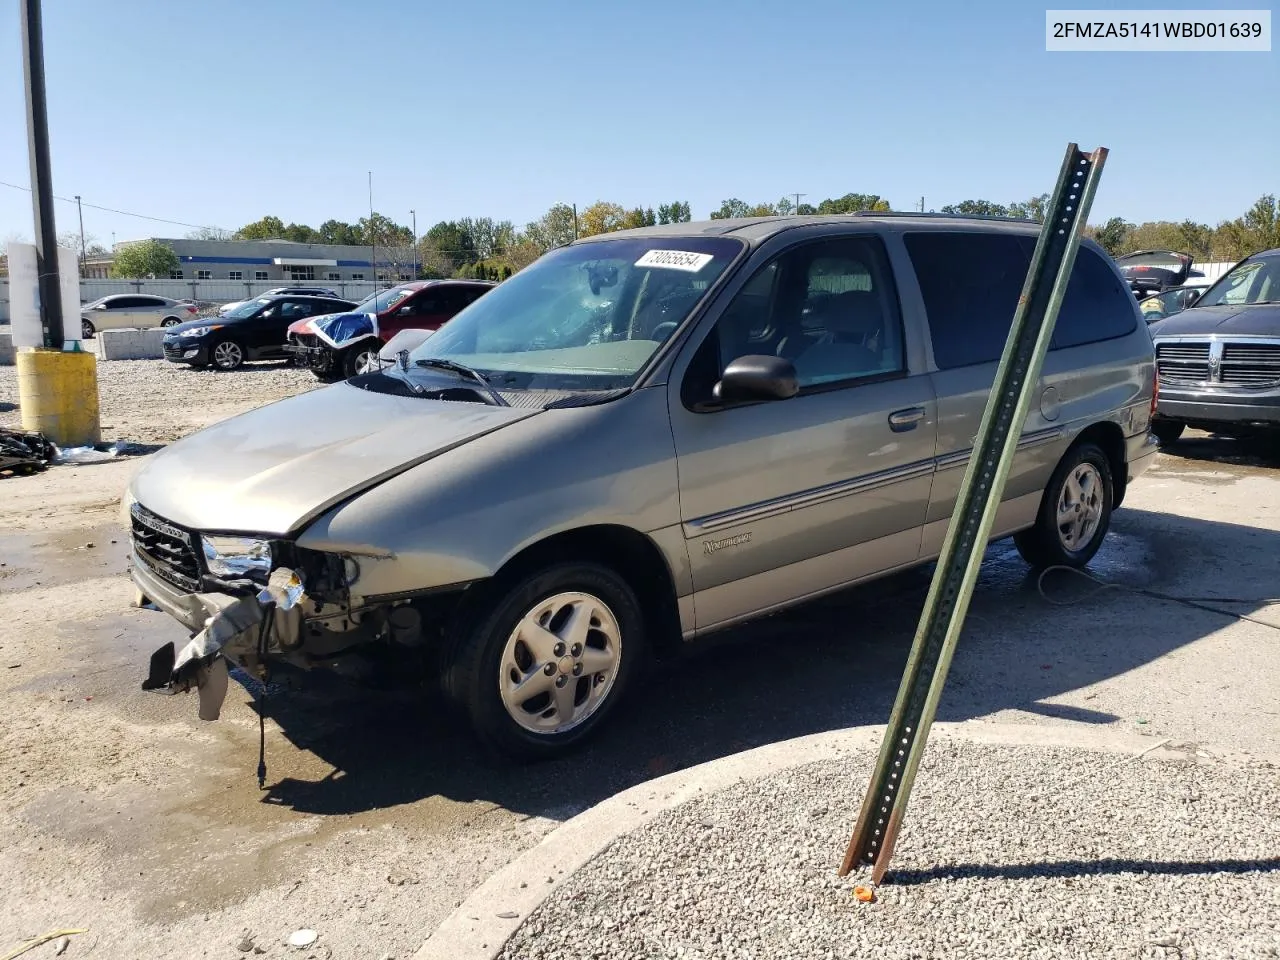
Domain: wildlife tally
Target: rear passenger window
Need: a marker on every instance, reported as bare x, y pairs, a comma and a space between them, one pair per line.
1098, 305
971, 283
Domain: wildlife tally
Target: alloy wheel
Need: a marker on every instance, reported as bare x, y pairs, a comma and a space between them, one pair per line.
1080, 505
228, 355
560, 663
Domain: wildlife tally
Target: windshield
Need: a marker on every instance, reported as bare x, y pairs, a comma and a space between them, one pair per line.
247, 309
383, 301
584, 317
1254, 281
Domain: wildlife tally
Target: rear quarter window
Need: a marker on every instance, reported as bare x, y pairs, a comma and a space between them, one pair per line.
971, 283
1098, 305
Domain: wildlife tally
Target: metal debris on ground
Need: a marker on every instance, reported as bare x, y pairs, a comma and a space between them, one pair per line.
24, 453
98, 452
303, 938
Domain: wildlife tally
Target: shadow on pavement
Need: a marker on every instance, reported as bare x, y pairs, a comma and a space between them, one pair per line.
1080, 868
830, 664
1260, 451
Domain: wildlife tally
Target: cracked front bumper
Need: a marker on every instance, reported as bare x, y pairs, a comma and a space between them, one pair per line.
225, 629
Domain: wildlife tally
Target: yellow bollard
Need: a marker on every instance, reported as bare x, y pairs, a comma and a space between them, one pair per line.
58, 395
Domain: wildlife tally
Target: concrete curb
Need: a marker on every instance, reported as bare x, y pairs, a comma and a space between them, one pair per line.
478, 929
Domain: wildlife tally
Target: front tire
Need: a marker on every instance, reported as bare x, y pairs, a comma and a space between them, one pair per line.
543, 660
360, 359
1075, 512
86, 329
228, 355
1167, 431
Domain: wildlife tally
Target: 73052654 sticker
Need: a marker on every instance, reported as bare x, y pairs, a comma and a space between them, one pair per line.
675, 260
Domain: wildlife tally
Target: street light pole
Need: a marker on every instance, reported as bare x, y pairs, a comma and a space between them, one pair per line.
414, 215
41, 181
84, 258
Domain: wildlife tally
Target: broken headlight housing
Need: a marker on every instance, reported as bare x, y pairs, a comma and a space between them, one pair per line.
237, 557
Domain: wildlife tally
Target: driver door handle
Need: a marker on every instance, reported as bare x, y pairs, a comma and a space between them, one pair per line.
901, 421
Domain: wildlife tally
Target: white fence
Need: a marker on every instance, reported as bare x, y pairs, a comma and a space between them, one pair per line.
204, 291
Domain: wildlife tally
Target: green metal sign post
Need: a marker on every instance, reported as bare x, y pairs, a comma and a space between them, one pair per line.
1012, 395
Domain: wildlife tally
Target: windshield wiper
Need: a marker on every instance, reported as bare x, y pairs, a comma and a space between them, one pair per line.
441, 363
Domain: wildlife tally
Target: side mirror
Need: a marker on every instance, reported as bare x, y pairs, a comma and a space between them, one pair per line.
759, 377
1192, 297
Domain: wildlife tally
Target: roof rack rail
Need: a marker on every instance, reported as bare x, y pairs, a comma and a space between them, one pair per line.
937, 216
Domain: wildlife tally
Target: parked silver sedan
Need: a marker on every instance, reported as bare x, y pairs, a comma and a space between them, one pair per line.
127, 310
640, 439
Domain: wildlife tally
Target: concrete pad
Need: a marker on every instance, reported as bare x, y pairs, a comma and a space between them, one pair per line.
486, 920
130, 344
6, 350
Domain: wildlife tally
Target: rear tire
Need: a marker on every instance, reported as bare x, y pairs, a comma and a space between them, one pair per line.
1075, 512
1167, 431
170, 322
86, 329
531, 685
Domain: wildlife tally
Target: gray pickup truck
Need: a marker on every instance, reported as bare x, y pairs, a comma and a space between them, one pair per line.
642, 438
1219, 360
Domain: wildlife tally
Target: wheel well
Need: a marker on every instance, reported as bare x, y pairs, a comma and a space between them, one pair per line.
629, 553
1110, 438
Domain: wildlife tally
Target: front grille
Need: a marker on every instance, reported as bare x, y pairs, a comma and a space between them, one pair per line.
168, 551
1182, 363
1251, 364
305, 339
172, 351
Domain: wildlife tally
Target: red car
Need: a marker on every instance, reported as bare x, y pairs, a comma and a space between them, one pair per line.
338, 346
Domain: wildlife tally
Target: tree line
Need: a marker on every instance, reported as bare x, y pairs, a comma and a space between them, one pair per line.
485, 248
1255, 230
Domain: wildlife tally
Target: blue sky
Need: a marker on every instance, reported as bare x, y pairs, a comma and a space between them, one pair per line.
220, 113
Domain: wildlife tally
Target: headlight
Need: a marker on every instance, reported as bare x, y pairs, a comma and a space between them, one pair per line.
236, 556
201, 331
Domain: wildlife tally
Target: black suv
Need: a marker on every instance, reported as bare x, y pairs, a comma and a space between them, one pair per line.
255, 330
1218, 361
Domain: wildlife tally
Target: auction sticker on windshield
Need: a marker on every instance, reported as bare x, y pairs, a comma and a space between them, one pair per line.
675, 260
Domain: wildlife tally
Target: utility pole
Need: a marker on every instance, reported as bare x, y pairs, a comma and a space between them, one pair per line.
798, 196
414, 215
83, 256
373, 237
57, 383
575, 221
41, 180
922, 204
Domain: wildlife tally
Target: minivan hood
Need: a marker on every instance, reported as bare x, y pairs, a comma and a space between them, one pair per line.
1262, 320
277, 468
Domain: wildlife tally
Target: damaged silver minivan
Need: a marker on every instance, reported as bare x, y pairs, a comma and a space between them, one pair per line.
641, 438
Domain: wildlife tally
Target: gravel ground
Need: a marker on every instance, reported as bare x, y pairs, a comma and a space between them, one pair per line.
1006, 852
156, 402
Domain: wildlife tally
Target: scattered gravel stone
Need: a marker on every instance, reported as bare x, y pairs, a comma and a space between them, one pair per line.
1116, 863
